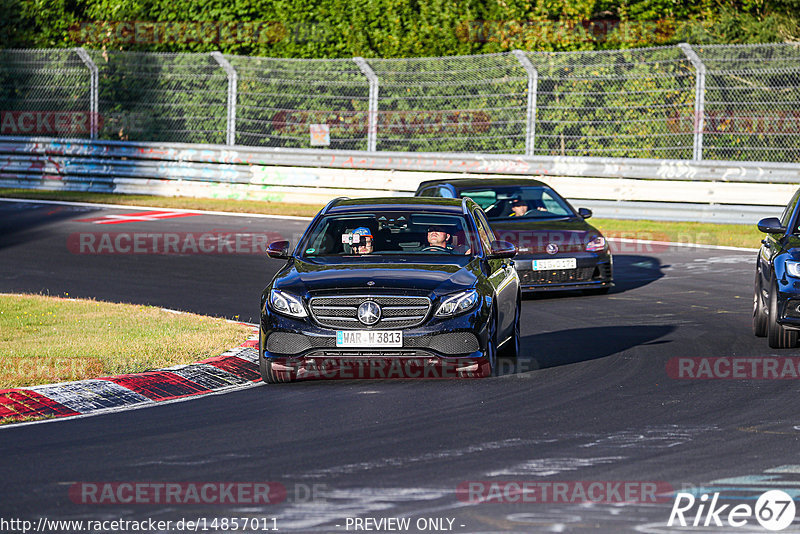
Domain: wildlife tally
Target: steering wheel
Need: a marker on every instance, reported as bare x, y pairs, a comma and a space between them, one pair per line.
434, 248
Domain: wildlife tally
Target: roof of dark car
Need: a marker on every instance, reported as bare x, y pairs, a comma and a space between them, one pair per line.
462, 183
441, 205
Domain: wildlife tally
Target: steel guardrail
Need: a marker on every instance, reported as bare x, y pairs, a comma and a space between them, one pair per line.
625, 188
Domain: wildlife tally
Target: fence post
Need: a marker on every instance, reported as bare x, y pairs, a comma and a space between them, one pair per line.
699, 99
533, 87
372, 132
233, 80
94, 97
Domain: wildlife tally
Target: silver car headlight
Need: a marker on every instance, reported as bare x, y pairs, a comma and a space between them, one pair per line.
597, 244
458, 303
286, 304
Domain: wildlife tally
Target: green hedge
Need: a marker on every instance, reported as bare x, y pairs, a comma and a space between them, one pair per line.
390, 28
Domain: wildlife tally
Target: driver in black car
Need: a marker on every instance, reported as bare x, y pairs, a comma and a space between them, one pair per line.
438, 240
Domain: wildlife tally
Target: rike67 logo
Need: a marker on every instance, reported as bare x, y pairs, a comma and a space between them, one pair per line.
774, 510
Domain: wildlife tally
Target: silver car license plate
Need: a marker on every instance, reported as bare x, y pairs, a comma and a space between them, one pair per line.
555, 264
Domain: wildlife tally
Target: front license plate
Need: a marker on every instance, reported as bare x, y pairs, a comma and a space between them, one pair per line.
555, 264
369, 338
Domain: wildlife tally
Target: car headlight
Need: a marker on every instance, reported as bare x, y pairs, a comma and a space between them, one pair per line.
458, 303
596, 244
286, 304
793, 268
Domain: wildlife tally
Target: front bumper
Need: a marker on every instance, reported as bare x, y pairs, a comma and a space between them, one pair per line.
440, 348
789, 310
380, 367
593, 271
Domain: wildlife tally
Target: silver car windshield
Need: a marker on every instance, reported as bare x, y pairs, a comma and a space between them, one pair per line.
519, 201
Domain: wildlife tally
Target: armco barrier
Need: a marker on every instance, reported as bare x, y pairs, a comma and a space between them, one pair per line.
623, 188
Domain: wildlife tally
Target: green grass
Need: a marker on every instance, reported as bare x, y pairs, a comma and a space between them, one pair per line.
731, 235
735, 235
49, 339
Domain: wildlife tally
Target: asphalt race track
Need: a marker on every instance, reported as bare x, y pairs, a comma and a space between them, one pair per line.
594, 399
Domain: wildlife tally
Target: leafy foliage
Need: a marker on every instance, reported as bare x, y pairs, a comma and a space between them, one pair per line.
599, 92
391, 28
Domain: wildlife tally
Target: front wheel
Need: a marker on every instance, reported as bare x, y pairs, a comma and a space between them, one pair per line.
778, 336
488, 367
270, 376
760, 317
512, 346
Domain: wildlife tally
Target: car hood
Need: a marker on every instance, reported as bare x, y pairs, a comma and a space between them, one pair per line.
408, 277
533, 235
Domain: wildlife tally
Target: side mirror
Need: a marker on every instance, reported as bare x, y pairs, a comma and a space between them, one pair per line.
771, 225
585, 212
279, 250
502, 249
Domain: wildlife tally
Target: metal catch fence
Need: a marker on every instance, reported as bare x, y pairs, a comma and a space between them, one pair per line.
690, 102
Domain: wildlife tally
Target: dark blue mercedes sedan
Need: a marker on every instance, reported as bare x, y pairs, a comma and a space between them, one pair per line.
391, 287
776, 293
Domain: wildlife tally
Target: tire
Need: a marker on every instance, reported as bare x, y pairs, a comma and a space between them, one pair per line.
512, 346
760, 317
271, 376
488, 368
778, 337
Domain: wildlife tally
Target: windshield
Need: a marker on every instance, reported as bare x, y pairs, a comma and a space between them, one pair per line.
519, 201
388, 233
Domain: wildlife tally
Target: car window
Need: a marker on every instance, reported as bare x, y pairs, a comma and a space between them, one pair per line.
385, 233
430, 192
531, 201
787, 212
484, 232
482, 197
444, 192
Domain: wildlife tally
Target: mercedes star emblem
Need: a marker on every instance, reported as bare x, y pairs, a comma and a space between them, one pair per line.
369, 313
